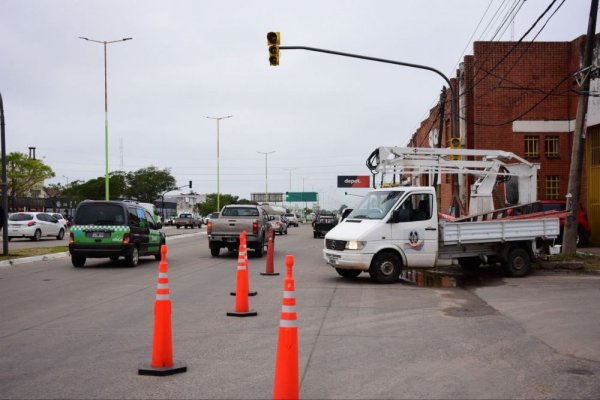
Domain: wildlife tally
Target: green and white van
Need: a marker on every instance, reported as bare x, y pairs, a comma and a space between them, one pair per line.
114, 229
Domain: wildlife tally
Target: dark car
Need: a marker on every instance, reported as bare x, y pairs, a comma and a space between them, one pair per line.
583, 228
323, 224
114, 229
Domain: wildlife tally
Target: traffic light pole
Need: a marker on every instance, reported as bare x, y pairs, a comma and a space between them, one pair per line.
404, 64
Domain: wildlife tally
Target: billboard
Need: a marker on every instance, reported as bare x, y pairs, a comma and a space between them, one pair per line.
354, 181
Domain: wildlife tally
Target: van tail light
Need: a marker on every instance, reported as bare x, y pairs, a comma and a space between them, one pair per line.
31, 223
126, 238
71, 238
255, 228
209, 228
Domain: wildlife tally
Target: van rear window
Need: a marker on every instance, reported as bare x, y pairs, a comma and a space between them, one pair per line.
100, 214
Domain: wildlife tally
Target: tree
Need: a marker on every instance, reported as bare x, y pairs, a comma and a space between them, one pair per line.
147, 184
24, 173
210, 205
94, 189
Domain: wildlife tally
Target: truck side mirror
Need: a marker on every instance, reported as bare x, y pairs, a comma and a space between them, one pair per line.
158, 225
395, 217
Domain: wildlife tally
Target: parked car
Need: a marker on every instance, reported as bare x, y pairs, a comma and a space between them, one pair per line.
187, 220
292, 219
61, 219
113, 229
34, 225
279, 224
583, 229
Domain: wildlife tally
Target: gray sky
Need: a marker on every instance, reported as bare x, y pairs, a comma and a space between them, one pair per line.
321, 114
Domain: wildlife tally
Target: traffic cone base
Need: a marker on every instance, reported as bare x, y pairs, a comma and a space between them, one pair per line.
249, 293
269, 273
176, 368
250, 313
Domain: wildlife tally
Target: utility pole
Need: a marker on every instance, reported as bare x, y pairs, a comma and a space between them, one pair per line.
569, 245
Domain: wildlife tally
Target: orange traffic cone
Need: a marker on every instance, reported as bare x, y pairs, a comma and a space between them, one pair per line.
286, 364
270, 249
162, 345
242, 308
243, 240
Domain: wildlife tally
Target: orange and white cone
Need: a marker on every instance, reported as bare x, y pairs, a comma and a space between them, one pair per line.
244, 242
270, 269
286, 363
242, 308
162, 345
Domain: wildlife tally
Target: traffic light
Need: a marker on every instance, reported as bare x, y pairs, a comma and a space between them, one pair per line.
273, 40
190, 184
455, 143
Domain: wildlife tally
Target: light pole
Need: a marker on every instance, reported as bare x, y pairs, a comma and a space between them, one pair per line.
266, 153
218, 180
290, 171
104, 42
66, 179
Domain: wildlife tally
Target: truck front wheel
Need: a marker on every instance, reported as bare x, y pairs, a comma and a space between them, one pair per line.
517, 263
348, 273
385, 268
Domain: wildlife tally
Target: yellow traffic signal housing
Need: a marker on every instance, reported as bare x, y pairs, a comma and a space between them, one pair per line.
273, 40
455, 143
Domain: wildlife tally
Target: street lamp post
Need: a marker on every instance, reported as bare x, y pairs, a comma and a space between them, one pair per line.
104, 43
218, 179
266, 153
290, 171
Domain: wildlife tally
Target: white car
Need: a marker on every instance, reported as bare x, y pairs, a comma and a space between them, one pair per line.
292, 219
34, 225
60, 219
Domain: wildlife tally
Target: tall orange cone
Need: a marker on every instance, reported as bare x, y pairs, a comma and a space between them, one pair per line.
270, 270
243, 240
162, 345
242, 308
286, 363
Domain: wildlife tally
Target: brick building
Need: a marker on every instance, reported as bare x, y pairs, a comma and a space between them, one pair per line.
522, 97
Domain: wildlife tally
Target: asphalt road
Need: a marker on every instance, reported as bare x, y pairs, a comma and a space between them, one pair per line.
81, 333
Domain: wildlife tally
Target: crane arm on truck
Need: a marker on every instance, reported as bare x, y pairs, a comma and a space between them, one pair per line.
490, 167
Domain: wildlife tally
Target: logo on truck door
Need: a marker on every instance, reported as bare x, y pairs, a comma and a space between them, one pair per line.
413, 242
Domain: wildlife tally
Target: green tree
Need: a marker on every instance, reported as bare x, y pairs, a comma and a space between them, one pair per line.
147, 184
24, 173
210, 205
94, 188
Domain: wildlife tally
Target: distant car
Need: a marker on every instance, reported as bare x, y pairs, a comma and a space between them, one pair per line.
279, 224
323, 224
61, 219
34, 225
292, 219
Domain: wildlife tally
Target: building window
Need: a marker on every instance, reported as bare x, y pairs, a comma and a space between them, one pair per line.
552, 187
532, 146
551, 146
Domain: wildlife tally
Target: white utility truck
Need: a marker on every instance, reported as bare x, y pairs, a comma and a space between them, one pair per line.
399, 228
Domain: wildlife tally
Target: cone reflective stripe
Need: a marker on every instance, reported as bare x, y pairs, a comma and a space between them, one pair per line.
162, 343
242, 308
286, 384
243, 251
269, 270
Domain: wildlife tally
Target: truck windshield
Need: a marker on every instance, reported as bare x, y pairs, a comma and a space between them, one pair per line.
376, 205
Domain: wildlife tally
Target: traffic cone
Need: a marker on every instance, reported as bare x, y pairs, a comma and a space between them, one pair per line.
270, 250
243, 240
242, 308
162, 345
286, 363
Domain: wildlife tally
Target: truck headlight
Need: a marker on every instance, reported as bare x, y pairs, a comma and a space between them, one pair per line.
355, 245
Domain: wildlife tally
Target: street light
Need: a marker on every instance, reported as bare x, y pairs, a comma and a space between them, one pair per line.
104, 42
266, 153
218, 180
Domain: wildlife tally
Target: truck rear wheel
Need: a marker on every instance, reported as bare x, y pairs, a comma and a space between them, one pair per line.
214, 250
260, 248
348, 273
385, 268
517, 262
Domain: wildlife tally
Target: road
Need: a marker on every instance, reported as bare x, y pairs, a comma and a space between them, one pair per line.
81, 332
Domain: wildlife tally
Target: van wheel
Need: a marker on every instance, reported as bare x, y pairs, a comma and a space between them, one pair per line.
348, 273
517, 263
61, 234
133, 258
385, 268
77, 261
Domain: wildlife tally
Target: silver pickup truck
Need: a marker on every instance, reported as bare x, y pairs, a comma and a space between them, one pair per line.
224, 232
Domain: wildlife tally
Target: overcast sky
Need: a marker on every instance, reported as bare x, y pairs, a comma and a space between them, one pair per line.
322, 115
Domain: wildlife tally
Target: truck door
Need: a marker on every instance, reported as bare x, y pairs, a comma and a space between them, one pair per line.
417, 232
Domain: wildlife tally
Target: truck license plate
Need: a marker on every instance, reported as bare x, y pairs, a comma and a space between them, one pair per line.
332, 258
231, 240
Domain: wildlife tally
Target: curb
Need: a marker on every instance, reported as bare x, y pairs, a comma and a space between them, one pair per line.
55, 256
